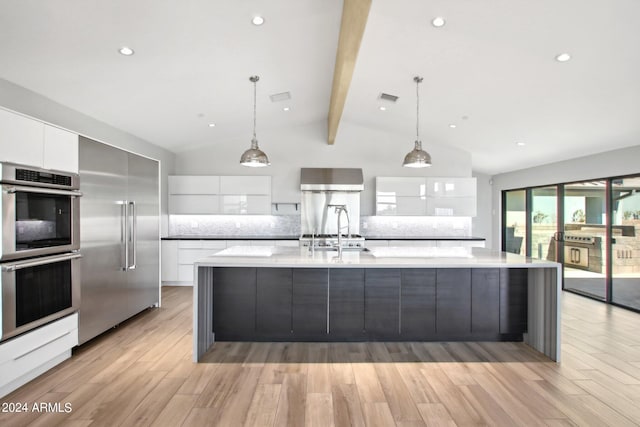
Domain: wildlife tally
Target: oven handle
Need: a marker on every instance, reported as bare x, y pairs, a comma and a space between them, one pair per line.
25, 189
41, 261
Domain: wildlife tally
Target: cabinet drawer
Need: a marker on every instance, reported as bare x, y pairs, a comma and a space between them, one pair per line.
31, 350
190, 256
289, 243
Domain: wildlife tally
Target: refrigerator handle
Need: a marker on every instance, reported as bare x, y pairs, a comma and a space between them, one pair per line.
124, 233
134, 236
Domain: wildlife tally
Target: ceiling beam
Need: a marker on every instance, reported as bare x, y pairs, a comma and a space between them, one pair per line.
354, 21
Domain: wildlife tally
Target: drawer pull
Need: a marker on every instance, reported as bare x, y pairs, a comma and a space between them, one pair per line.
42, 345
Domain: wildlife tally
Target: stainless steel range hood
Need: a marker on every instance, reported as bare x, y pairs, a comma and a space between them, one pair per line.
331, 179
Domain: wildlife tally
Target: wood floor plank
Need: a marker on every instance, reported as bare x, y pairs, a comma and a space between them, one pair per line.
175, 411
264, 405
436, 415
319, 410
377, 414
292, 404
347, 410
369, 388
397, 394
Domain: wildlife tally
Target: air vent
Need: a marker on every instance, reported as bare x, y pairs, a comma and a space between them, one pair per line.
278, 97
387, 97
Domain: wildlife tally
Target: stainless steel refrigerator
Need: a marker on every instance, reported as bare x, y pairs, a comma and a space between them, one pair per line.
119, 236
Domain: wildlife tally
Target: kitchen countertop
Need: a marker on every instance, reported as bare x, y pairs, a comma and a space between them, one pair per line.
388, 257
296, 237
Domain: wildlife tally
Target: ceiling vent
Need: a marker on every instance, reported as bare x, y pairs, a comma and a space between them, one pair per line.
278, 97
387, 97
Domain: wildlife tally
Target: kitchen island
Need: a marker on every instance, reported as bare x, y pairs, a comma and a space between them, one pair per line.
384, 294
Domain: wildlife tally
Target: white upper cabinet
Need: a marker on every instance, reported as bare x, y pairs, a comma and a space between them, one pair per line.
400, 196
257, 185
451, 187
426, 196
21, 139
60, 149
30, 142
207, 194
194, 184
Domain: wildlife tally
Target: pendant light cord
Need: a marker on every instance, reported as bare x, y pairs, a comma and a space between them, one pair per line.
418, 80
254, 106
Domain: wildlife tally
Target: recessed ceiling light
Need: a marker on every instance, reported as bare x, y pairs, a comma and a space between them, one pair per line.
286, 109
126, 51
521, 144
438, 22
452, 126
212, 125
382, 108
563, 57
257, 20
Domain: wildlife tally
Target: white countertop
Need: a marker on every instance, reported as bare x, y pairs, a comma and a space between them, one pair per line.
388, 257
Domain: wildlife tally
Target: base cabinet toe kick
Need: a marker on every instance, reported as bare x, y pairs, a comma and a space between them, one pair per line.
377, 304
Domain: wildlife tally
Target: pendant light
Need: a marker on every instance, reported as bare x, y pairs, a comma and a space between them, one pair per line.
417, 158
254, 157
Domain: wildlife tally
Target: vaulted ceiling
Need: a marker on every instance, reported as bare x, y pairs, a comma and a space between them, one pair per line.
490, 71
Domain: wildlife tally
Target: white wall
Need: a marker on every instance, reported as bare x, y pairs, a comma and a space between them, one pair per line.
377, 153
19, 99
482, 222
624, 161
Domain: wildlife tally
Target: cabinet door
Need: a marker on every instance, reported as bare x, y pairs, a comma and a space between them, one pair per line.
258, 185
274, 301
513, 300
169, 267
451, 206
346, 302
451, 187
234, 303
194, 184
453, 302
310, 298
60, 149
194, 204
400, 186
245, 204
485, 300
21, 139
382, 303
418, 303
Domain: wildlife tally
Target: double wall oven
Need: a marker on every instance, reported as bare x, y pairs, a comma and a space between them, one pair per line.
39, 259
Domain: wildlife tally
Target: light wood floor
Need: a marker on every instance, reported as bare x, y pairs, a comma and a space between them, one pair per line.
141, 374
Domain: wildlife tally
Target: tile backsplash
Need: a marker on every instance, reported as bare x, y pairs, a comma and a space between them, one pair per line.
270, 225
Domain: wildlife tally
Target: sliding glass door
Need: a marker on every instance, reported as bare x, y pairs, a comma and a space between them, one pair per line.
625, 249
514, 220
585, 238
544, 222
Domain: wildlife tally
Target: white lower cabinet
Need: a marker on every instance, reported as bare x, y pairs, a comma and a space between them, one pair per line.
426, 243
461, 243
29, 355
179, 256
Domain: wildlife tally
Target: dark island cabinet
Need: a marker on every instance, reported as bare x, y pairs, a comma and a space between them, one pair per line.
453, 302
417, 303
309, 305
513, 300
382, 303
234, 303
485, 301
274, 303
346, 303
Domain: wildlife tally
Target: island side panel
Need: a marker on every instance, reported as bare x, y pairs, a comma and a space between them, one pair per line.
203, 336
544, 297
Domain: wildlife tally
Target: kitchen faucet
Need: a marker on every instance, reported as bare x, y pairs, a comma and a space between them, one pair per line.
339, 209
